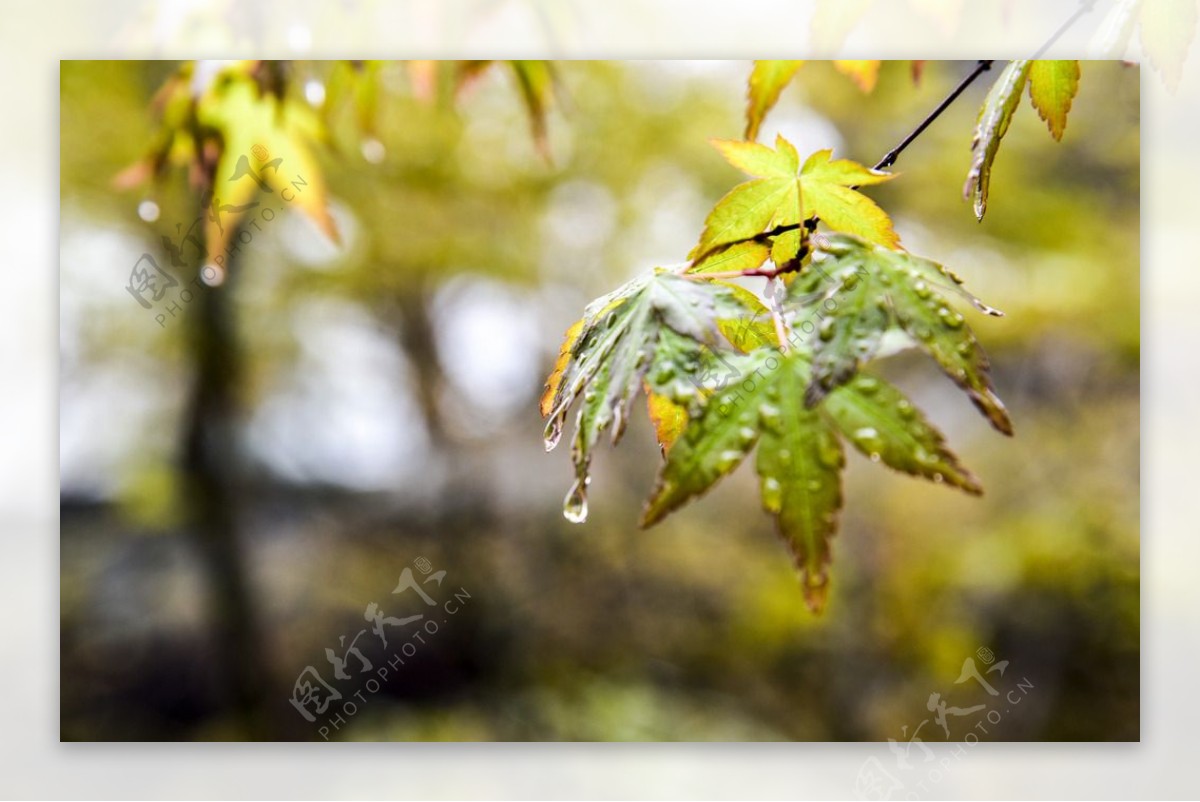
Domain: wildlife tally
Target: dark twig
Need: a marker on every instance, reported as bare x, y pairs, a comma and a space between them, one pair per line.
889, 159
1085, 6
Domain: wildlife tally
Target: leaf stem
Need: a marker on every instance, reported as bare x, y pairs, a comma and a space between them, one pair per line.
777, 314
1085, 6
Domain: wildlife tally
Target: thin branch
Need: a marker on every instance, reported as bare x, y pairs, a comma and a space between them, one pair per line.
1085, 6
790, 266
890, 157
777, 315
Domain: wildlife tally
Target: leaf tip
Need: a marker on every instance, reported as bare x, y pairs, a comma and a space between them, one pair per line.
816, 590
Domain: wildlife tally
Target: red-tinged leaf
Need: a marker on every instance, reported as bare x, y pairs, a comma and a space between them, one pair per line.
865, 74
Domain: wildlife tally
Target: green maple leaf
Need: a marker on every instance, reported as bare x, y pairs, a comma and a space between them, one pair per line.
656, 331
1052, 87
828, 186
857, 291
781, 194
751, 330
994, 118
767, 81
800, 453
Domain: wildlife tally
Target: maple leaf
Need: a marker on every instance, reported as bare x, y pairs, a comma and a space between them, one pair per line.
264, 153
1166, 32
858, 291
865, 74
654, 331
771, 199
800, 453
751, 328
1052, 87
781, 194
536, 81
994, 118
357, 85
828, 187
767, 81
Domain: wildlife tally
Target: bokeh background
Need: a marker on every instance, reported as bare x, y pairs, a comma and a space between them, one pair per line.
383, 408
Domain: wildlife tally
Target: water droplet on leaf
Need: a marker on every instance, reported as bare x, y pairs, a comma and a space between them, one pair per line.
951, 318
727, 460
772, 495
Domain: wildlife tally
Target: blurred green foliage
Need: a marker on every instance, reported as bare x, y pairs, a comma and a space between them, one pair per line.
465, 249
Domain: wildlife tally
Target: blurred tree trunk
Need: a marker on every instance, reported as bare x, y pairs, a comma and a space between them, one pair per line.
419, 340
211, 462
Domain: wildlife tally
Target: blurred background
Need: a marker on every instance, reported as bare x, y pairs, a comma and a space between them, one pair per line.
240, 483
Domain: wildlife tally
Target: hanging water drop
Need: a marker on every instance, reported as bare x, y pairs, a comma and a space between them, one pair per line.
553, 432
922, 289
575, 508
148, 210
